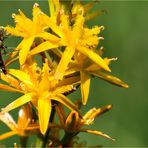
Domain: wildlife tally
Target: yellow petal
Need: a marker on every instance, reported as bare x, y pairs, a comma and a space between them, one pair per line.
11, 80
22, 76
94, 57
18, 102
25, 49
54, 6
48, 36
109, 78
71, 70
66, 57
96, 133
93, 67
93, 113
23, 24
13, 31
44, 109
8, 88
69, 81
44, 83
10, 61
37, 22
43, 47
64, 89
8, 134
100, 111
51, 23
85, 85
13, 54
64, 100
77, 31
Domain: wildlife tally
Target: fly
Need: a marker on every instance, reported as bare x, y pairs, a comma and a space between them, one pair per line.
2, 49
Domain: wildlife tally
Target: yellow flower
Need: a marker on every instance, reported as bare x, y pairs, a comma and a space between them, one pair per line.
75, 38
69, 39
39, 87
87, 68
30, 30
68, 33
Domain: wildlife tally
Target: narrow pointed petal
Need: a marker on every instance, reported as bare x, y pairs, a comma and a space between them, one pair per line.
85, 85
94, 57
44, 109
8, 88
64, 100
78, 29
97, 133
13, 31
25, 49
64, 89
66, 57
100, 111
8, 134
109, 78
93, 113
11, 80
69, 81
22, 76
72, 70
13, 54
37, 22
48, 36
9, 61
43, 47
19, 102
51, 23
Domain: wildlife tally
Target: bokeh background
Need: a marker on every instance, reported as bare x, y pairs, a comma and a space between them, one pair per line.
126, 37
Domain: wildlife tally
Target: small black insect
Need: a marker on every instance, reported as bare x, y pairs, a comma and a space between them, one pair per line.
2, 48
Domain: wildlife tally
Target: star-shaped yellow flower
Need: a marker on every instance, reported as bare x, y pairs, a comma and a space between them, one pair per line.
73, 37
40, 88
30, 30
87, 68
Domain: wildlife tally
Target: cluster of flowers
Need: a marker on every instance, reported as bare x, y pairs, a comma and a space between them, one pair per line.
57, 54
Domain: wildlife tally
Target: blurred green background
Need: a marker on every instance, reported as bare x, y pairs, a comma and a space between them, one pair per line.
126, 37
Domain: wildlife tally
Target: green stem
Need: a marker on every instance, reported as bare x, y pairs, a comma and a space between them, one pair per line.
23, 141
67, 139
